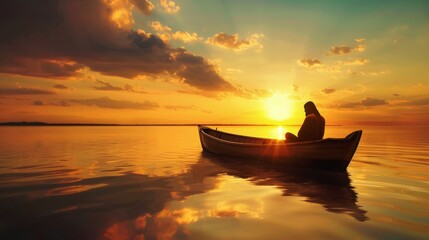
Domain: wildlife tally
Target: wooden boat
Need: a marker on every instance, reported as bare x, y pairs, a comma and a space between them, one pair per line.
330, 153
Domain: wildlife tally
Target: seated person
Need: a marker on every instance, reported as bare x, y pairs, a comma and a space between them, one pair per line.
313, 127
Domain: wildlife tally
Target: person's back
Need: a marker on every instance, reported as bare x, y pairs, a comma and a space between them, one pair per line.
313, 128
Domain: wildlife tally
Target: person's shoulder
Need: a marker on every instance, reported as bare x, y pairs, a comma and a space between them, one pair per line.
311, 116
314, 118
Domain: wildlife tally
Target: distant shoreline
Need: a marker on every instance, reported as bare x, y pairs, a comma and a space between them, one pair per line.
24, 123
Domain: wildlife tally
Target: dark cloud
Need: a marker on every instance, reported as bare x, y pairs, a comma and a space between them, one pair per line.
38, 103
310, 62
109, 87
367, 102
61, 86
328, 90
59, 103
396, 95
105, 102
130, 88
58, 69
59, 38
25, 91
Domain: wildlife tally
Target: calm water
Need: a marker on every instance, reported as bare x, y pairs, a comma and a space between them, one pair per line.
155, 183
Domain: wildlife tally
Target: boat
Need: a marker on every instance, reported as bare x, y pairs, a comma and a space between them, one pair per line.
329, 153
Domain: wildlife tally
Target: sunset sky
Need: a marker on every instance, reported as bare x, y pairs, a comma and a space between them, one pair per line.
184, 61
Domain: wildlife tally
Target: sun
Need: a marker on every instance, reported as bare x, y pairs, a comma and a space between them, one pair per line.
278, 107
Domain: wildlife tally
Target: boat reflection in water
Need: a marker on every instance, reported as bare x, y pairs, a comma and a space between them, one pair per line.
332, 190
134, 205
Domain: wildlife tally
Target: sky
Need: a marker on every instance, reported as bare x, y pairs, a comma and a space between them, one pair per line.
183, 61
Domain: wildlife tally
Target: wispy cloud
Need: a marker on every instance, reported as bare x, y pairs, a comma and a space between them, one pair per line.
105, 86
61, 86
364, 103
234, 43
106, 102
361, 61
61, 103
25, 91
180, 107
415, 102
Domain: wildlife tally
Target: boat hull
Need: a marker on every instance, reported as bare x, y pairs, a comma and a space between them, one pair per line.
330, 153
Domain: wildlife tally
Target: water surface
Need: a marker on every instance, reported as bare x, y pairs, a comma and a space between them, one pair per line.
156, 183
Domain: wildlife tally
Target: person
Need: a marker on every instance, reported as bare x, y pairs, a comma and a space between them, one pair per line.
313, 127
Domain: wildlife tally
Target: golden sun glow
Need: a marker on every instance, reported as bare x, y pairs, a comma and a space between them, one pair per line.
278, 107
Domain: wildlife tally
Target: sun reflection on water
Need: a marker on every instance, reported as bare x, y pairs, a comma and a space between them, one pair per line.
280, 133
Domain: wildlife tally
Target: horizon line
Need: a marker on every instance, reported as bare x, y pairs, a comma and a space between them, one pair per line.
38, 123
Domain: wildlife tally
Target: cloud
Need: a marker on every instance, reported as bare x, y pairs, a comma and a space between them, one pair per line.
105, 86
232, 42
166, 33
328, 90
364, 103
180, 107
106, 102
25, 91
361, 61
59, 103
416, 102
369, 102
310, 62
59, 38
169, 6
342, 49
61, 86
145, 6
373, 74
234, 70
185, 36
130, 88
252, 93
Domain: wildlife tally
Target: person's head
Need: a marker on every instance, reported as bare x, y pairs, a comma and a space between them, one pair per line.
310, 108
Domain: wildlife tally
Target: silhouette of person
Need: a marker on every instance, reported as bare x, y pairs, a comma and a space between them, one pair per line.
313, 127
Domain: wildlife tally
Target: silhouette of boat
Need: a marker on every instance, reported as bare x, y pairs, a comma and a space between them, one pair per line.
330, 153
